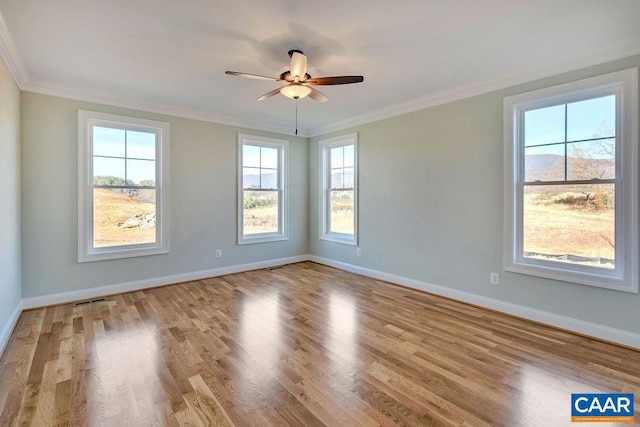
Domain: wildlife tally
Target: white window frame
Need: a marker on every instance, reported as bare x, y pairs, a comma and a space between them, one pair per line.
283, 193
86, 251
623, 84
325, 190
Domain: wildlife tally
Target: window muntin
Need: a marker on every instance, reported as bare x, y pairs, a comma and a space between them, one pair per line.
262, 189
571, 189
569, 182
123, 168
339, 189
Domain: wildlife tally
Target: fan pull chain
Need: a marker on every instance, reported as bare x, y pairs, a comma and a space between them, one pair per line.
296, 115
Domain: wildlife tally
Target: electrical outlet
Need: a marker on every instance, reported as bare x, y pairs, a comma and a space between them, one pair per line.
494, 278
218, 253
358, 251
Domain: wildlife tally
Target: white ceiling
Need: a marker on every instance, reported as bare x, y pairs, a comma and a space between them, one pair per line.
170, 56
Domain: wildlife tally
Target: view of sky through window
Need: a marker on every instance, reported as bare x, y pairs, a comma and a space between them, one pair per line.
125, 154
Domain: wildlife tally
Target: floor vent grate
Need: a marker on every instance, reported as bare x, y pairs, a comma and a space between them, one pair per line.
89, 301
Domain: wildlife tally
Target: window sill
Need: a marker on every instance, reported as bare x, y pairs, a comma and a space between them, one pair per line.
345, 239
112, 253
582, 276
262, 238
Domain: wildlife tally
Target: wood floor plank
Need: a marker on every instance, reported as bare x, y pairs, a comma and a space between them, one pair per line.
303, 344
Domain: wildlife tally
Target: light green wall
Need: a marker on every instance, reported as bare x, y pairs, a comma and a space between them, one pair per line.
431, 200
10, 266
202, 201
430, 204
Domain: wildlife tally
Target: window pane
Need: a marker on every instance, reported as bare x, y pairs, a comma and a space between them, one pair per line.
544, 163
348, 178
593, 118
336, 178
269, 179
141, 145
570, 224
341, 212
349, 155
141, 172
337, 155
260, 212
592, 160
123, 217
250, 156
250, 178
108, 171
269, 158
544, 125
108, 142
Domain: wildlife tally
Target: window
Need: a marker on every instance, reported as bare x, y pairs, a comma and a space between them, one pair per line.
122, 186
571, 182
262, 188
339, 177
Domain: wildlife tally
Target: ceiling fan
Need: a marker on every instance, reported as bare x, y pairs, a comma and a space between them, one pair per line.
298, 82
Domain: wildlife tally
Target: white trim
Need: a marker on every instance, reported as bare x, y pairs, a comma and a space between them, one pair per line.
325, 147
282, 145
86, 251
624, 85
83, 294
568, 323
479, 87
14, 62
108, 98
6, 332
11, 56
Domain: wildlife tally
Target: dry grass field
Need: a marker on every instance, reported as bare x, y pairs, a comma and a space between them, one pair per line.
550, 228
559, 229
342, 221
111, 210
261, 219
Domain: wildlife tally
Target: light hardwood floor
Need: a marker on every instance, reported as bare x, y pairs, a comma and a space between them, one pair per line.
303, 344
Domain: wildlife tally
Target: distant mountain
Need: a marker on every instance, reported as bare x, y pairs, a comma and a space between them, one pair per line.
269, 181
550, 167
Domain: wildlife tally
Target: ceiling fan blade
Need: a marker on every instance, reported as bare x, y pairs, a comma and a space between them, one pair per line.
298, 65
251, 76
269, 94
338, 80
317, 95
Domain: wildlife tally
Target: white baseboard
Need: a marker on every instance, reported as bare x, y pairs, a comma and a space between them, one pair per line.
65, 297
5, 334
568, 323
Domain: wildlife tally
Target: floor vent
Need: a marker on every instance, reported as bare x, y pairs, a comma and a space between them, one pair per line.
89, 301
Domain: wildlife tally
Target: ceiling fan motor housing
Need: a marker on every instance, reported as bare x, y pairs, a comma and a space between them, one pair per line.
287, 76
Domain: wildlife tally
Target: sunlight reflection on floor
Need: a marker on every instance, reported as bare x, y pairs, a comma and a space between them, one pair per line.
260, 335
343, 338
126, 382
545, 396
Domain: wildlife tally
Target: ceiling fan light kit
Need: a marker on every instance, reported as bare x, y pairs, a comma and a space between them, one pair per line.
295, 91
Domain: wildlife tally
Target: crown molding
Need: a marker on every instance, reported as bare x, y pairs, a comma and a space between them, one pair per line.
11, 56
13, 60
15, 64
481, 87
100, 97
